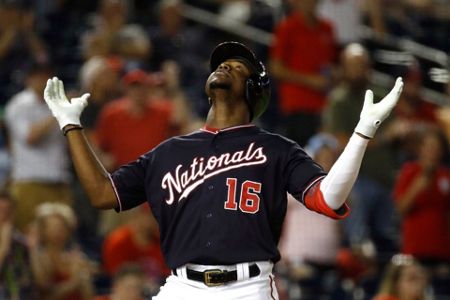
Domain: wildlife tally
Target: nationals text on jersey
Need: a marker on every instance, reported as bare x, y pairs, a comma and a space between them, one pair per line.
185, 181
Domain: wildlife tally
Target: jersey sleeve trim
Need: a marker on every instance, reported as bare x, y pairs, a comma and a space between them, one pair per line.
313, 182
315, 201
119, 207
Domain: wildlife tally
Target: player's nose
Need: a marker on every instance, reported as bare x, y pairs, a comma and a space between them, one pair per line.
224, 66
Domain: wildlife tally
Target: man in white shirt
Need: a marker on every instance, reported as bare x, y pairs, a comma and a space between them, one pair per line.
40, 167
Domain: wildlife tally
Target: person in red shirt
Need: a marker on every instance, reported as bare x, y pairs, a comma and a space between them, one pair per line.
412, 106
301, 59
136, 241
412, 113
130, 126
422, 197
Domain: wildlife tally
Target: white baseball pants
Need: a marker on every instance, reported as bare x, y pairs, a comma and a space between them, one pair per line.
261, 287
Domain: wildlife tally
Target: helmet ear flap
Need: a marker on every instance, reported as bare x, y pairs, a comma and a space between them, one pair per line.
252, 92
257, 93
253, 87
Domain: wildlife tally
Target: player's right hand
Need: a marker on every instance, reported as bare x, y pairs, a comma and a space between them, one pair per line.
66, 112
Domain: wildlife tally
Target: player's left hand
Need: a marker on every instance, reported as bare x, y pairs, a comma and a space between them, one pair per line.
373, 114
66, 112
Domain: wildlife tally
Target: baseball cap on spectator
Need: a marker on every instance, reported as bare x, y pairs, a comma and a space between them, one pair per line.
136, 77
319, 141
95, 66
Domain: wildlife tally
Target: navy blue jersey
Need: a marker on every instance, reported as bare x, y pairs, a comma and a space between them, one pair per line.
219, 198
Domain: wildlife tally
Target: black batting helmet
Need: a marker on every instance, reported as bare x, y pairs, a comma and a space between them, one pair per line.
257, 91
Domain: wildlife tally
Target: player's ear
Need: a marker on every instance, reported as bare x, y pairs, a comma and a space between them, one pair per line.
209, 100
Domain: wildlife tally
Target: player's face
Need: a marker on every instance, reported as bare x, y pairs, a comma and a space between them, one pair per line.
229, 75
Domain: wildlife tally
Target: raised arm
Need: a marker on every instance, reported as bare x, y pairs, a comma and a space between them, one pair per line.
91, 173
336, 186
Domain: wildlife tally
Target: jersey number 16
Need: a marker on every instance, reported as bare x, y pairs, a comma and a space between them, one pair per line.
249, 198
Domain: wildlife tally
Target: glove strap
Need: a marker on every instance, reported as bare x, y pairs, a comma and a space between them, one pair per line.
71, 127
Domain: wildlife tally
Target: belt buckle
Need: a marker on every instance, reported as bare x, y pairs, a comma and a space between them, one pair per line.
208, 274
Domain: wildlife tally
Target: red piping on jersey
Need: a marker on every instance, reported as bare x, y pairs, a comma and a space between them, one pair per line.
217, 130
314, 200
306, 190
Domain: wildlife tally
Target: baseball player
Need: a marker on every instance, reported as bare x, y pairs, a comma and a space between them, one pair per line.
219, 194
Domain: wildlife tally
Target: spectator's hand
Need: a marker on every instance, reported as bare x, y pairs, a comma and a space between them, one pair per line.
66, 112
80, 266
373, 114
421, 182
33, 236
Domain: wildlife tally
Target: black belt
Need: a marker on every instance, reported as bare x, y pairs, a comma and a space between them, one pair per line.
217, 277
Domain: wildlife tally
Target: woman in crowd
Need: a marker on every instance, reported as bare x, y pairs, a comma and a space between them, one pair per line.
404, 279
62, 271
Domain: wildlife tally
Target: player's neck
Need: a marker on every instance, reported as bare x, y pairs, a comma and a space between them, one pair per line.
223, 116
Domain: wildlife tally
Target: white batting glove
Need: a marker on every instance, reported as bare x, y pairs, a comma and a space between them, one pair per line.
66, 112
373, 114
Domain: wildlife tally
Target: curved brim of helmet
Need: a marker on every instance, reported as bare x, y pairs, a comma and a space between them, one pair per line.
228, 50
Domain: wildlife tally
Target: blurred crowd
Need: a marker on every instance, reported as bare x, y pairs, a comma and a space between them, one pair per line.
145, 66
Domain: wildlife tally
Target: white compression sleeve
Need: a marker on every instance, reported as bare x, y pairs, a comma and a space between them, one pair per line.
336, 186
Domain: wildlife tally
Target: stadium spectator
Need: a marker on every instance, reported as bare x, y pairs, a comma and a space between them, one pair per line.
20, 46
412, 106
404, 279
137, 109
372, 217
65, 51
128, 284
61, 270
301, 60
166, 85
348, 17
15, 271
112, 35
423, 21
422, 197
174, 40
154, 99
99, 76
136, 241
412, 113
40, 165
310, 255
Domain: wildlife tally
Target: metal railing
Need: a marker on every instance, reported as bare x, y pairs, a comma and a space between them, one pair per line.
407, 48
228, 25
